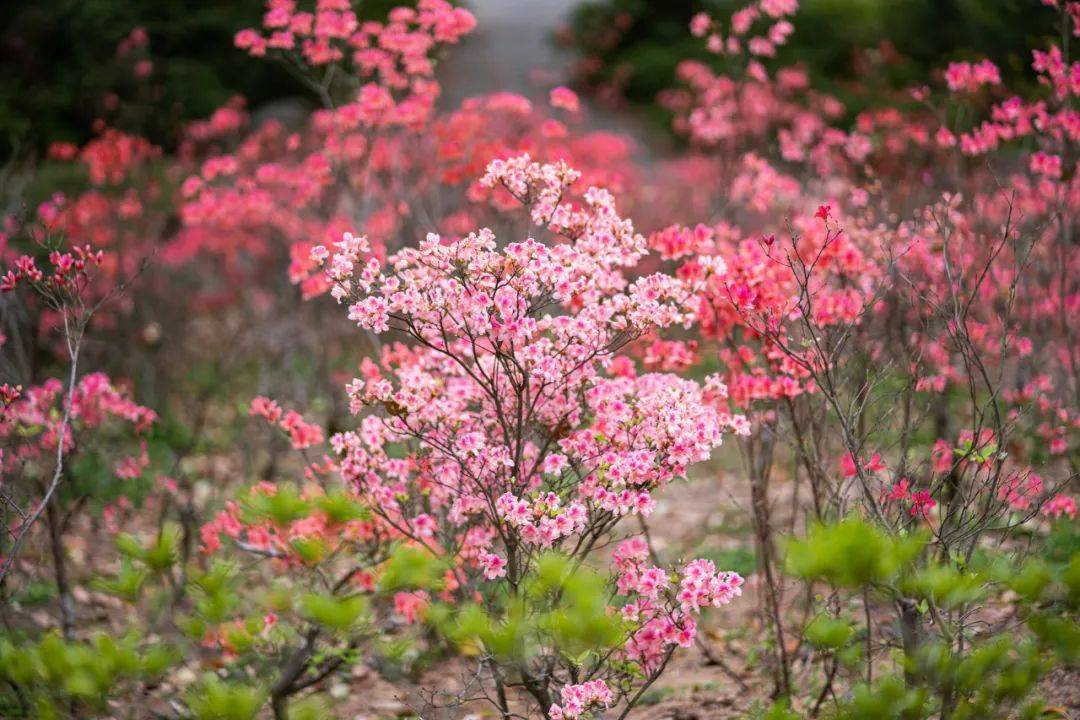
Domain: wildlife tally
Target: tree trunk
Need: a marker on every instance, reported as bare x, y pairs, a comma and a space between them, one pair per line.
63, 585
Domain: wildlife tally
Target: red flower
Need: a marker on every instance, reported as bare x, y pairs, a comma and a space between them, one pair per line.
899, 491
921, 503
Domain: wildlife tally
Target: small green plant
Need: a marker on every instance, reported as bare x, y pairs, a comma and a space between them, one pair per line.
54, 678
943, 667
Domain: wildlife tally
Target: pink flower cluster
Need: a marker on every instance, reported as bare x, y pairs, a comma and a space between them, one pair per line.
114, 155
331, 33
544, 521
68, 274
969, 77
512, 423
773, 12
565, 98
1017, 118
1060, 505
394, 57
702, 586
30, 421
920, 501
1021, 490
494, 566
662, 614
579, 700
302, 434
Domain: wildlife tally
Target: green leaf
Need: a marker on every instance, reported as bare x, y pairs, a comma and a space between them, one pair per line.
214, 699
830, 633
282, 508
313, 707
311, 550
333, 612
157, 659
851, 554
129, 546
1031, 581
1059, 634
162, 555
126, 585
341, 507
943, 585
1071, 579
412, 568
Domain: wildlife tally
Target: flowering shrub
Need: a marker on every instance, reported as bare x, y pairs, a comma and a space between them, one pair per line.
888, 349
64, 443
877, 309
61, 449
523, 431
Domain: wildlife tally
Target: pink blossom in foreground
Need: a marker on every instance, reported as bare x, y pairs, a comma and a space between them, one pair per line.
579, 699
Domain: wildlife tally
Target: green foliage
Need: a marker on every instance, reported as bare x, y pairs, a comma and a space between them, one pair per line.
215, 592
887, 699
987, 681
1062, 543
1059, 634
943, 584
989, 677
311, 550
157, 556
851, 554
411, 568
313, 707
578, 619
985, 676
341, 507
36, 593
333, 612
64, 62
502, 633
928, 33
284, 507
127, 584
55, 672
397, 656
92, 474
1031, 581
778, 711
830, 633
558, 606
216, 699
1070, 578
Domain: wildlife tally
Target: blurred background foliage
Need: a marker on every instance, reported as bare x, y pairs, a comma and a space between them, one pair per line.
862, 51
59, 62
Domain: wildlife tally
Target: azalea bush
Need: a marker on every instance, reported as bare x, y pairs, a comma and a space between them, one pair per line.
521, 430
400, 390
896, 354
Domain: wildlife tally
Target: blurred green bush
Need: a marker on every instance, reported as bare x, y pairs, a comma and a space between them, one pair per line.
58, 61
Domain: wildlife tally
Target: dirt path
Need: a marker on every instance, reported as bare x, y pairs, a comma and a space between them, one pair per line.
512, 50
